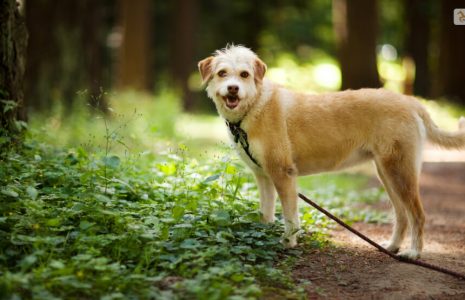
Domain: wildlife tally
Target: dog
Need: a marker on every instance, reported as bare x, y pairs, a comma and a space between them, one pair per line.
281, 134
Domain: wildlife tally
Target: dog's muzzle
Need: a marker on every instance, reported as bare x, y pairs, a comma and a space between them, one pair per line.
232, 100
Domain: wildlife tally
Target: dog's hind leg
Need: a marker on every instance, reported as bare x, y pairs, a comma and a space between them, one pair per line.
267, 197
400, 222
401, 170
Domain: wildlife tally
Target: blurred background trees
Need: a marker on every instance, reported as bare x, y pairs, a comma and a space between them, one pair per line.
67, 52
78, 49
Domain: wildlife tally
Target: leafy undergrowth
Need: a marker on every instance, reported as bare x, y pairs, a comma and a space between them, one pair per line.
77, 225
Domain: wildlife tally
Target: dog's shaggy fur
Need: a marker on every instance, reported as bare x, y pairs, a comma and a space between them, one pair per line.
292, 134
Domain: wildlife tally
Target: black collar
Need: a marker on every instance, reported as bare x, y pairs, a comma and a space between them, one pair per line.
241, 136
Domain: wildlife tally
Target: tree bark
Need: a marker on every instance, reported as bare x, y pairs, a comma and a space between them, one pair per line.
417, 43
451, 54
13, 41
356, 26
134, 57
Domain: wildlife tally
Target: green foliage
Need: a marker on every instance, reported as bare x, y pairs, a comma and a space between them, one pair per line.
136, 122
11, 129
298, 27
169, 229
75, 224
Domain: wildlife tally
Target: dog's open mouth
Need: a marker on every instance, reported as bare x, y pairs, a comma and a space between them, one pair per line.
231, 101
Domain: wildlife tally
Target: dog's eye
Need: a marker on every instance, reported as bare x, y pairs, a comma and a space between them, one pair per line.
244, 74
222, 73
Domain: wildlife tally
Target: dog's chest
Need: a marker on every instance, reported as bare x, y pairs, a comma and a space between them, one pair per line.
248, 158
247, 149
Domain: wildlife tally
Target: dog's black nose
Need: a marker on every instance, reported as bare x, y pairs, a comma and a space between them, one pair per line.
233, 89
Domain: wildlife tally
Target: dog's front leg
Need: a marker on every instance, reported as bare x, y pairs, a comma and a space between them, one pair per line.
284, 180
267, 197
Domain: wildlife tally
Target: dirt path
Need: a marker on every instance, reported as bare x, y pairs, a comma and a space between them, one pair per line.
354, 270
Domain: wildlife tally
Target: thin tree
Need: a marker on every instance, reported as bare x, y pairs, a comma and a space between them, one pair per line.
13, 41
183, 47
418, 13
134, 56
451, 54
356, 27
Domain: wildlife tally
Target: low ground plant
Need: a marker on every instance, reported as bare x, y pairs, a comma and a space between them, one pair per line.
75, 224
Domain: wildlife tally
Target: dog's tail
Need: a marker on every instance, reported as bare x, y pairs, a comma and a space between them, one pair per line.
446, 139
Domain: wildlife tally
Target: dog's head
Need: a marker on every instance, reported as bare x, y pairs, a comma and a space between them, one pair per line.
234, 77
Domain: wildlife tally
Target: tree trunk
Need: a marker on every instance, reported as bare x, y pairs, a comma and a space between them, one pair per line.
417, 43
356, 25
13, 41
183, 46
134, 57
451, 54
65, 52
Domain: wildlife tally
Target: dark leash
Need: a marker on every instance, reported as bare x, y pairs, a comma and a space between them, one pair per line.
240, 136
381, 248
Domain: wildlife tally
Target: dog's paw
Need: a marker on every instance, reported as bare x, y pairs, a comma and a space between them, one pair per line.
390, 247
289, 242
267, 219
412, 254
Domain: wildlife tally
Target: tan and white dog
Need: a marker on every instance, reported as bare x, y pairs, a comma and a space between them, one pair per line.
291, 134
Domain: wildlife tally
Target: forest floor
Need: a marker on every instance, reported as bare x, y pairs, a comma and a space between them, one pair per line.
352, 269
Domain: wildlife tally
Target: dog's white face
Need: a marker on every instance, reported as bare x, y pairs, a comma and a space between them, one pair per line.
233, 76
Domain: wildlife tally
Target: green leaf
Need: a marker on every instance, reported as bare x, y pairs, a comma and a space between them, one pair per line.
4, 140
251, 257
237, 277
56, 264
9, 105
10, 193
32, 192
28, 261
84, 225
183, 225
230, 169
167, 168
221, 217
178, 212
190, 244
111, 161
20, 125
212, 178
53, 222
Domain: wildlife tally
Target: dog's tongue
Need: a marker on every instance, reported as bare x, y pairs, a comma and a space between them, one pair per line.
232, 102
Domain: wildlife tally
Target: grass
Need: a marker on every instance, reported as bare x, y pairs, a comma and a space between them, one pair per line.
145, 205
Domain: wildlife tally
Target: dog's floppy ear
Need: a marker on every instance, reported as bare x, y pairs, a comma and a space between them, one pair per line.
205, 69
259, 69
